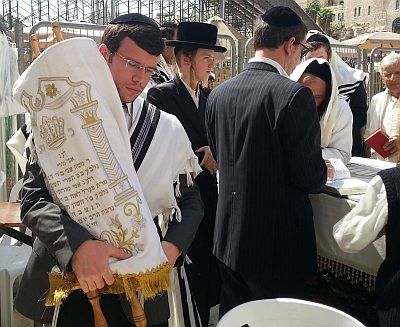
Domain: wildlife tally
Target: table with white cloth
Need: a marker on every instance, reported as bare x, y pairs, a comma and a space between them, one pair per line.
356, 267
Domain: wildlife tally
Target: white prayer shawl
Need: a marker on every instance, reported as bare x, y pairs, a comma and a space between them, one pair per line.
347, 78
83, 148
8, 75
17, 145
336, 123
171, 149
384, 113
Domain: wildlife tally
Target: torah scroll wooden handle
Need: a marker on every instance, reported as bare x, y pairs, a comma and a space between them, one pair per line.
94, 299
137, 312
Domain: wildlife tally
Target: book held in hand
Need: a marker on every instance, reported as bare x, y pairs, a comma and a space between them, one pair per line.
376, 141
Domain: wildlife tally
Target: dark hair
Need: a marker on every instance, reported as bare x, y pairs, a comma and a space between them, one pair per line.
145, 36
168, 30
268, 36
315, 45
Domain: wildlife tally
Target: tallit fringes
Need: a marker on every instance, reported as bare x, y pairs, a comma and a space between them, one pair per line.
178, 188
178, 214
150, 284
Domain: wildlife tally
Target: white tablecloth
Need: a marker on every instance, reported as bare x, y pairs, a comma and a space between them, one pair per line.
327, 211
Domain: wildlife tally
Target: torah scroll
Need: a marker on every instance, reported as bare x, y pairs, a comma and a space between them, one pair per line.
82, 145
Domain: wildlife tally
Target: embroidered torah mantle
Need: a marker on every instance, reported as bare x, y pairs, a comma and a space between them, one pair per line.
82, 146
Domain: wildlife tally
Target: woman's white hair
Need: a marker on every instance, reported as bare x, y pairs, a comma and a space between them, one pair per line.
391, 59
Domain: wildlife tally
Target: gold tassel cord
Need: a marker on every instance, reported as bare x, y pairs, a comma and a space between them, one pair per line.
150, 284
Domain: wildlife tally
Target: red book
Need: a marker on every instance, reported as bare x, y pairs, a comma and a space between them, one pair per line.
376, 141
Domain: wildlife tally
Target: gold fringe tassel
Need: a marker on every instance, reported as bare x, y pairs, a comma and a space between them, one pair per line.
150, 284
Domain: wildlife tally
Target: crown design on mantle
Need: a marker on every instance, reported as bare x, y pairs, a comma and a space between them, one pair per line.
52, 131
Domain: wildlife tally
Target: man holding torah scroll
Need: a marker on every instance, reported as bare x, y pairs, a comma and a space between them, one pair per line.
81, 189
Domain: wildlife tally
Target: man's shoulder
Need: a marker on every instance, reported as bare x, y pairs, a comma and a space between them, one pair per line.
379, 96
169, 119
166, 86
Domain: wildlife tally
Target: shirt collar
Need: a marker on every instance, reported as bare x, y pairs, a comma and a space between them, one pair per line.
272, 63
193, 94
134, 110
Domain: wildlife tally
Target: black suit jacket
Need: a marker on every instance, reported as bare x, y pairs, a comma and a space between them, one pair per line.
264, 131
174, 98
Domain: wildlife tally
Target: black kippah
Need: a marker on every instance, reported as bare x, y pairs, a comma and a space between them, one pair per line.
281, 16
318, 38
320, 70
134, 19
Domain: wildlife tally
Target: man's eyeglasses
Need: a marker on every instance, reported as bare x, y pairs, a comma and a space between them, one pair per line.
305, 49
136, 67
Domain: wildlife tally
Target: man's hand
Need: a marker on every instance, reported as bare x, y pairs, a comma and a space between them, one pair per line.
90, 264
330, 171
393, 145
171, 251
208, 160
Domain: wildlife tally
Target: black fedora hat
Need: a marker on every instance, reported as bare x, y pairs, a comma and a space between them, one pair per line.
196, 35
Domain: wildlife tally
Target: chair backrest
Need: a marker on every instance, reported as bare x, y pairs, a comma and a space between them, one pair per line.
286, 313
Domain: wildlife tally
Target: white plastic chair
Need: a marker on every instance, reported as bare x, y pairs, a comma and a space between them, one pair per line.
14, 193
286, 313
13, 260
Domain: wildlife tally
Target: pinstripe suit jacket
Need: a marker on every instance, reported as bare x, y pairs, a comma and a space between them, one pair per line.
264, 131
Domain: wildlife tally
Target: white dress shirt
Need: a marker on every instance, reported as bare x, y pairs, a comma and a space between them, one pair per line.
131, 114
193, 94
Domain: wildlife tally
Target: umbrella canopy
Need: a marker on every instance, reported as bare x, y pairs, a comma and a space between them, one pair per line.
224, 28
376, 39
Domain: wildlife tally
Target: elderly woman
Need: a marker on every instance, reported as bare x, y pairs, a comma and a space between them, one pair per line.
384, 110
334, 113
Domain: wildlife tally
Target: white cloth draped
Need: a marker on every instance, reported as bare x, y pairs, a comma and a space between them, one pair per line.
362, 225
8, 75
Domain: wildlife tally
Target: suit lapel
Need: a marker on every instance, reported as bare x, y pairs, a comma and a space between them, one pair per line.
189, 109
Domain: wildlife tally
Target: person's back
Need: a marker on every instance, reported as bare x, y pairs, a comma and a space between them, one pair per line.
258, 170
264, 131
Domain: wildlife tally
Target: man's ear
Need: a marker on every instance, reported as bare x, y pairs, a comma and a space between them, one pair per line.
288, 45
186, 60
104, 51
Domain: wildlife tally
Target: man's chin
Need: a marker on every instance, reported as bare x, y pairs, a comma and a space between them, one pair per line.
131, 97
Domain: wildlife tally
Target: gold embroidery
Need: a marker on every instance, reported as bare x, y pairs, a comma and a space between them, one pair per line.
52, 131
51, 90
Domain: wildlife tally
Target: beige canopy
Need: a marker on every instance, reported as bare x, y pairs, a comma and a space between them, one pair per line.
224, 28
376, 39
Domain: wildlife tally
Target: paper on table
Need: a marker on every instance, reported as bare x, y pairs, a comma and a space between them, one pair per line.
341, 171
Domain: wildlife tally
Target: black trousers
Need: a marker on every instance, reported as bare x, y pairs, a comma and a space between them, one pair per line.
238, 289
77, 311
